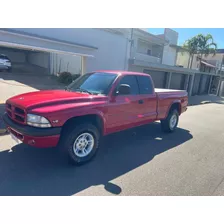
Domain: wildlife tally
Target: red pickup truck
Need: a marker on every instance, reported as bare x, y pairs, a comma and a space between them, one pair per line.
94, 105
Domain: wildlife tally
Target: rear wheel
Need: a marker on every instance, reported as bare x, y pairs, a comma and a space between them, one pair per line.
81, 143
170, 123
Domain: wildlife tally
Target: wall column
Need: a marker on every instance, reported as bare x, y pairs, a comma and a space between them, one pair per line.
218, 87
221, 90
210, 83
191, 85
169, 80
83, 65
186, 83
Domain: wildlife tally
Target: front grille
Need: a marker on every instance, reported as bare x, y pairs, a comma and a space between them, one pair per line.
15, 113
20, 119
19, 111
9, 113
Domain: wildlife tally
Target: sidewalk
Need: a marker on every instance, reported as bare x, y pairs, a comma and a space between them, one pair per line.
197, 100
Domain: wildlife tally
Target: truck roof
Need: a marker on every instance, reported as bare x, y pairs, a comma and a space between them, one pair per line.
121, 72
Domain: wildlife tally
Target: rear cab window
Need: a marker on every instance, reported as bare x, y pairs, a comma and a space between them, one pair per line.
130, 80
145, 85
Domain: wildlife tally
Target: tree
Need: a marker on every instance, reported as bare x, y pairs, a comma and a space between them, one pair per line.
200, 45
191, 46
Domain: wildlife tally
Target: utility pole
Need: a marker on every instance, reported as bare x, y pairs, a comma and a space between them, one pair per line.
128, 48
131, 40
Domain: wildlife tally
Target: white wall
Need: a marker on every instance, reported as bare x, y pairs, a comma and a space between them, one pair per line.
171, 36
183, 59
68, 63
169, 55
143, 47
111, 52
40, 59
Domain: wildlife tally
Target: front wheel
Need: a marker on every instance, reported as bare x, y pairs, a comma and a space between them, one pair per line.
171, 122
81, 143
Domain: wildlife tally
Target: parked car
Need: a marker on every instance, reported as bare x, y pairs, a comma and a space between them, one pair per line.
5, 63
94, 105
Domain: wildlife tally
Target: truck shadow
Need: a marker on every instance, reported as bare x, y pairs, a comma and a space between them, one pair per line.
31, 171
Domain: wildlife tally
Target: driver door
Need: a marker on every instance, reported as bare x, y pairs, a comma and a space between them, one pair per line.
123, 110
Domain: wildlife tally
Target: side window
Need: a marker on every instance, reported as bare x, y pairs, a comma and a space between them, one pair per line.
145, 85
132, 82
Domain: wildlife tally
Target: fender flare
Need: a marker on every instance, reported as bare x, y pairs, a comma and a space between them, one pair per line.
172, 103
90, 112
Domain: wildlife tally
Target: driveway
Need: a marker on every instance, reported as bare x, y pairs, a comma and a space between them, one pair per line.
13, 84
141, 161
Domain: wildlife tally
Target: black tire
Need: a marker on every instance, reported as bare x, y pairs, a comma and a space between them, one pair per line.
69, 137
166, 124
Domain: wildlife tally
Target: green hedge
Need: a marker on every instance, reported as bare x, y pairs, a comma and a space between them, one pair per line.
67, 77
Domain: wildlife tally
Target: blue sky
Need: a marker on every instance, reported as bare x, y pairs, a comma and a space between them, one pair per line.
186, 33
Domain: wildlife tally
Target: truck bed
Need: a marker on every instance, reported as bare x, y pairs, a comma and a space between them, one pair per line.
157, 90
166, 97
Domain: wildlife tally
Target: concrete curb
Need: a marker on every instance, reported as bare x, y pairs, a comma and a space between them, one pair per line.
203, 102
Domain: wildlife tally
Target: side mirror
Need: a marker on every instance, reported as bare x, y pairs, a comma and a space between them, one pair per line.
124, 89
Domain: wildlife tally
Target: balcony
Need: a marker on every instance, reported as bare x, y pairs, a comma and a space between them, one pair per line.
147, 58
143, 59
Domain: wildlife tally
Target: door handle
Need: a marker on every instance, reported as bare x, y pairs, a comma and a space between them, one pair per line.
140, 101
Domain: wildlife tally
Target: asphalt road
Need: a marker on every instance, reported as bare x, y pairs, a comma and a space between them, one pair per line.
143, 161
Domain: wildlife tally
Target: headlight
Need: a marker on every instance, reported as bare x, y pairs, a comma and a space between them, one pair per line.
37, 121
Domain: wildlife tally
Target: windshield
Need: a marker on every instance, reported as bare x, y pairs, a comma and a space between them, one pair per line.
93, 83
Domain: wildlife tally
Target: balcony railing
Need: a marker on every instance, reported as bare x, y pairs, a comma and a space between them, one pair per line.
144, 58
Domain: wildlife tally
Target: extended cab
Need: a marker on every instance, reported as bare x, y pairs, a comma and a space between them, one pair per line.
94, 105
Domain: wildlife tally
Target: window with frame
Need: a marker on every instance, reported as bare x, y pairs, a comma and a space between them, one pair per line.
132, 82
145, 85
149, 52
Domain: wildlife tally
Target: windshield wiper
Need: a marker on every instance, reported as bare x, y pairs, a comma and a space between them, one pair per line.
83, 90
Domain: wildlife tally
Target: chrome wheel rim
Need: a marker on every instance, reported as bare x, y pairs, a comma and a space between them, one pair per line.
83, 144
173, 121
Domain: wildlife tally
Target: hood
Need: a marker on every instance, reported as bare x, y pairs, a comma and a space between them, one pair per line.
48, 97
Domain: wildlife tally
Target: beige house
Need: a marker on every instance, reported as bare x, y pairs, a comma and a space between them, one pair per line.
211, 63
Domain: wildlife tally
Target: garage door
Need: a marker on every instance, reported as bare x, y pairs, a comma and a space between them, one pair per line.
14, 38
204, 84
196, 84
26, 41
158, 77
177, 81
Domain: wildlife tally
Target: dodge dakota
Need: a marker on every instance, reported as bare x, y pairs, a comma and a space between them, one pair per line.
94, 105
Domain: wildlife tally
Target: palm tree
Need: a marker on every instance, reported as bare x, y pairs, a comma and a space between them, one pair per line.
206, 46
191, 46
200, 45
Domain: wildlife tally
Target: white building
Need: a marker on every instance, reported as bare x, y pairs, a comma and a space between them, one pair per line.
49, 51
74, 50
